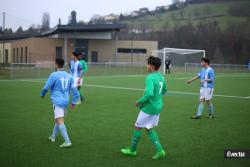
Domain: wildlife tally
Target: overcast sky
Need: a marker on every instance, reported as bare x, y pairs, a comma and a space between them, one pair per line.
26, 12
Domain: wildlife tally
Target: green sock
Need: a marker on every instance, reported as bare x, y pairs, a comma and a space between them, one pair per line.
135, 139
154, 138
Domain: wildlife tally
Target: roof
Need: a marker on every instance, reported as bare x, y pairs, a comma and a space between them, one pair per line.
84, 28
67, 28
19, 36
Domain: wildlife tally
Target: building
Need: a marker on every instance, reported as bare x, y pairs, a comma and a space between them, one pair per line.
110, 18
135, 13
99, 43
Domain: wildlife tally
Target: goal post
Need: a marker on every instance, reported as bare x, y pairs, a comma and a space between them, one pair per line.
178, 57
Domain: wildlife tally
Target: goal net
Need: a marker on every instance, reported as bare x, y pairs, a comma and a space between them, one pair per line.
178, 57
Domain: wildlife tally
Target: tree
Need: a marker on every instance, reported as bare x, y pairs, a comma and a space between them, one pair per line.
72, 18
19, 30
45, 21
121, 17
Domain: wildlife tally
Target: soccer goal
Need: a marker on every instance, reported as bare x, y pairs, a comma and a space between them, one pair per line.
178, 57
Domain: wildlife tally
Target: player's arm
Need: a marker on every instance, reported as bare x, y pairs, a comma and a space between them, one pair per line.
164, 88
75, 93
85, 67
193, 79
47, 85
149, 92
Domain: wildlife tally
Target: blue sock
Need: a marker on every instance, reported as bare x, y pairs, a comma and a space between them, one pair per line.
200, 109
211, 109
55, 131
64, 133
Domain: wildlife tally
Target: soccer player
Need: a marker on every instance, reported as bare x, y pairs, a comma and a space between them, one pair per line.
150, 105
206, 76
168, 65
60, 83
76, 71
84, 71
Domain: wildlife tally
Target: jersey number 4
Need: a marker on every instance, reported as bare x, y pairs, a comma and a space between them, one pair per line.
64, 82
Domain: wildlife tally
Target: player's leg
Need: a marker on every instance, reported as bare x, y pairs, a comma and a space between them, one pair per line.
201, 104
210, 109
155, 140
208, 98
80, 92
131, 151
52, 138
59, 116
63, 130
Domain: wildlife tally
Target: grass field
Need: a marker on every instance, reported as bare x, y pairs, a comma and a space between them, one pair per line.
102, 125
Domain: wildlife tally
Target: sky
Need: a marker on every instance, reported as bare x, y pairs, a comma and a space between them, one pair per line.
27, 12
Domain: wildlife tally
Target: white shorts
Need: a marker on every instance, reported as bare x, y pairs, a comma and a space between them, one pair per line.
58, 112
147, 121
206, 93
76, 82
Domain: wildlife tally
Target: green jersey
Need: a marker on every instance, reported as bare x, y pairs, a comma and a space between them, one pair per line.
151, 102
84, 66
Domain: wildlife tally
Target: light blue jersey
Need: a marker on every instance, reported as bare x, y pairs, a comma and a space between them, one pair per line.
75, 68
207, 73
60, 83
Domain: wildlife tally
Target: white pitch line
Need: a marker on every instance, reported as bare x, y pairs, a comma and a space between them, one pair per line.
174, 92
219, 76
139, 89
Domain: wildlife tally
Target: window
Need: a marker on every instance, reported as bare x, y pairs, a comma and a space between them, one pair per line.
132, 50
14, 55
26, 54
6, 55
58, 52
17, 55
21, 55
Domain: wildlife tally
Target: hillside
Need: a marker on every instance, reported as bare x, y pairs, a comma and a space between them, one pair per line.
194, 13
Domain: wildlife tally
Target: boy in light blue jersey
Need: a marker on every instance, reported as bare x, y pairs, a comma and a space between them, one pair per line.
207, 77
60, 83
76, 70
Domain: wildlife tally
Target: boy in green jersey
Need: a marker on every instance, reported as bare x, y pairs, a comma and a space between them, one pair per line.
84, 71
151, 106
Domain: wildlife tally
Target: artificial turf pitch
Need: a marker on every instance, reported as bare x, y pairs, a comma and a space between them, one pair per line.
103, 124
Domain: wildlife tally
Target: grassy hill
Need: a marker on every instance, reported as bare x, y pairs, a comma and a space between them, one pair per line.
195, 13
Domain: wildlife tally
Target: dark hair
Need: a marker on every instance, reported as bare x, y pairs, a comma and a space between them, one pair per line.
59, 62
75, 54
206, 60
154, 61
